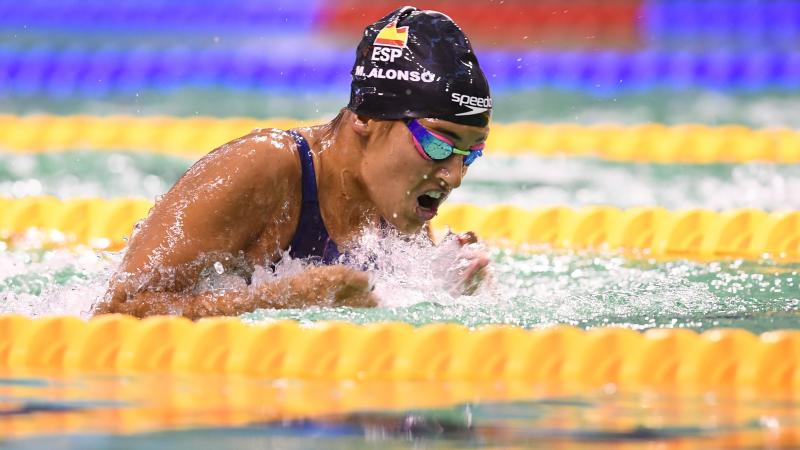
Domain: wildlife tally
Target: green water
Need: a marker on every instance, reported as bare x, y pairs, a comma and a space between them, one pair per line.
89, 174
527, 181
757, 110
82, 413
589, 291
530, 290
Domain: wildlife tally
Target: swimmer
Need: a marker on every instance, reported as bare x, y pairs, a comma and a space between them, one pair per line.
417, 118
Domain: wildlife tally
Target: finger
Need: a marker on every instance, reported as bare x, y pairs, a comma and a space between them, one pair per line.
359, 280
467, 238
353, 287
360, 300
478, 262
473, 277
101, 308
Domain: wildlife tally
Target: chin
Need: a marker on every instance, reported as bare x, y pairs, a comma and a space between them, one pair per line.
407, 225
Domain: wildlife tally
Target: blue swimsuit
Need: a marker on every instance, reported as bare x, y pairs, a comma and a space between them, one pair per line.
311, 239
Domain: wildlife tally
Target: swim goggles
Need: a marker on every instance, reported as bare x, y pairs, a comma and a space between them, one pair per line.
434, 146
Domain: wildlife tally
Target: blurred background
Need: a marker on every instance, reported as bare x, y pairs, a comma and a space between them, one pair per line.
672, 104
584, 61
581, 62
683, 106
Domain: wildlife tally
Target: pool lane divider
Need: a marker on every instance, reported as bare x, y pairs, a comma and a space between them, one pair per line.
309, 65
196, 136
329, 351
650, 232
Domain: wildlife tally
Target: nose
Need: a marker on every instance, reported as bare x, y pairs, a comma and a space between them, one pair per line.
450, 172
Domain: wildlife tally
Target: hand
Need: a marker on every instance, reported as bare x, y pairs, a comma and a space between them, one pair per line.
335, 285
472, 264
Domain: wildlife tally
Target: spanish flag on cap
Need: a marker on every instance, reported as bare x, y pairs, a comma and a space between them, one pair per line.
391, 36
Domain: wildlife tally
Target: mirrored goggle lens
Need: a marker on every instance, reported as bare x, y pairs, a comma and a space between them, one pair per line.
435, 148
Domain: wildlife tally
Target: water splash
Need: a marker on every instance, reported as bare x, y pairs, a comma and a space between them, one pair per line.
414, 281
38, 283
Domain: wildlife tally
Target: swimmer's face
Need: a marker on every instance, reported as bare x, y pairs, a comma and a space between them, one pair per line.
406, 188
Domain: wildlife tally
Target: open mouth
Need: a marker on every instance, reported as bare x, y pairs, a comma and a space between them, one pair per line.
428, 204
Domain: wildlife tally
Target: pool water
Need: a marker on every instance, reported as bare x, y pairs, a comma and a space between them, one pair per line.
529, 290
146, 412
761, 109
527, 181
530, 287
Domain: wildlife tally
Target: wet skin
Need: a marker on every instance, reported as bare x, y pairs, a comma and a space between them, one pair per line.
244, 198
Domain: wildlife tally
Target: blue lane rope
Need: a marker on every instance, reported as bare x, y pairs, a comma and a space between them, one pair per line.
87, 16
742, 24
96, 72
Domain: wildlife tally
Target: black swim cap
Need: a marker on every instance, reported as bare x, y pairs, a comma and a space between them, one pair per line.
416, 64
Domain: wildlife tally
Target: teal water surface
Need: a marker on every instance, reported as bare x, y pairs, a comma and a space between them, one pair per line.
192, 412
527, 181
531, 290
763, 109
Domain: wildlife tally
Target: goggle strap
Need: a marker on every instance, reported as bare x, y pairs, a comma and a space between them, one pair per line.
473, 155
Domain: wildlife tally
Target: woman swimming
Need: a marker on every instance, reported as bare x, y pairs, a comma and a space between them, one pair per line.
417, 118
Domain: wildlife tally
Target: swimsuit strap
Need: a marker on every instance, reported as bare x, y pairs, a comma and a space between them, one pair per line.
311, 239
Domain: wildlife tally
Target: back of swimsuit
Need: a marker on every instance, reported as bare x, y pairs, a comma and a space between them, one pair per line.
311, 239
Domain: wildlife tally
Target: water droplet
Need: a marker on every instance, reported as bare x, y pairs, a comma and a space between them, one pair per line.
425, 177
218, 268
394, 215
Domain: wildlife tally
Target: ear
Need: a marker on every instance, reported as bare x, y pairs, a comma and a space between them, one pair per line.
362, 125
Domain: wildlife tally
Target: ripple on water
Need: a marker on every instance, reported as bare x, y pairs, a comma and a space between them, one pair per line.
523, 180
528, 289
530, 181
590, 290
37, 283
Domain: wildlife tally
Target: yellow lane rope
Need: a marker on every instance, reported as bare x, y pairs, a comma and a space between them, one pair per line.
193, 137
216, 373
398, 352
650, 231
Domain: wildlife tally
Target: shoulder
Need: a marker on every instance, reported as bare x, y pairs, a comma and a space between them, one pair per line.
265, 150
256, 160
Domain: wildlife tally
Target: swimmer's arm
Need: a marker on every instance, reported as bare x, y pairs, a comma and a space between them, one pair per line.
220, 205
326, 285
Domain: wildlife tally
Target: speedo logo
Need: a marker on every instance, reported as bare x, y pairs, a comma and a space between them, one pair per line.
476, 105
396, 74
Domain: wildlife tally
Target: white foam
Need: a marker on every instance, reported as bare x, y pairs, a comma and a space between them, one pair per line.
531, 181
70, 281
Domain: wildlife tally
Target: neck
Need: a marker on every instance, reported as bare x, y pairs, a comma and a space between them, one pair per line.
345, 206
